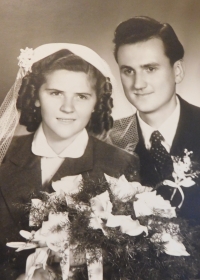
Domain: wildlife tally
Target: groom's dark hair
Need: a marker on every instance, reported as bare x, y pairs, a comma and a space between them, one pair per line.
141, 29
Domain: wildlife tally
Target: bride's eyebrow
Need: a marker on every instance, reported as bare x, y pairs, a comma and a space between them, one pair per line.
59, 90
55, 89
86, 93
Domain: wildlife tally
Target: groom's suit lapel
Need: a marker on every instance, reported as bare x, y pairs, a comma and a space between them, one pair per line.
181, 141
183, 135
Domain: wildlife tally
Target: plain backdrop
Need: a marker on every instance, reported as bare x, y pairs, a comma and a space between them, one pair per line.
30, 23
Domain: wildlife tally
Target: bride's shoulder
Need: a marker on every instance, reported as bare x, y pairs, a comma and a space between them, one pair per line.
18, 143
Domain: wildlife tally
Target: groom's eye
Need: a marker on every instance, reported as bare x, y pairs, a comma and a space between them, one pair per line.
127, 71
150, 69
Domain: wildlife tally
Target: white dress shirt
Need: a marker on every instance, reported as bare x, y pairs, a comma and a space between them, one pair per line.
50, 161
167, 129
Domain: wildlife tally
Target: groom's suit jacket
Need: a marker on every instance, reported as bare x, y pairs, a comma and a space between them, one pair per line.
20, 177
187, 137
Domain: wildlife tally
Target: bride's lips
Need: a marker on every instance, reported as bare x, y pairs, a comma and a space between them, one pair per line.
64, 120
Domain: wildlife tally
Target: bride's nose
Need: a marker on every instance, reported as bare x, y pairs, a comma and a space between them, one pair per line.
67, 105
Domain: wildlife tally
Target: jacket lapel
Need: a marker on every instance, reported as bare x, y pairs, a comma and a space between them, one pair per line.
75, 166
182, 137
25, 176
22, 155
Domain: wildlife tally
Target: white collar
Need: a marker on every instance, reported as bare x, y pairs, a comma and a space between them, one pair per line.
167, 129
40, 146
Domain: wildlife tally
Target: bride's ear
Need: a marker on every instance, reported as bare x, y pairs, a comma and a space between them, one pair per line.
179, 71
37, 103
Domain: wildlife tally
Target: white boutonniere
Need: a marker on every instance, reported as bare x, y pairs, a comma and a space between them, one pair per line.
183, 174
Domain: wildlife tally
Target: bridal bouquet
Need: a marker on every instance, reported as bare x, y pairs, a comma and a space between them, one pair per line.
122, 230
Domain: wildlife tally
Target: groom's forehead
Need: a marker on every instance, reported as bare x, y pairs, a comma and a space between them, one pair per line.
143, 52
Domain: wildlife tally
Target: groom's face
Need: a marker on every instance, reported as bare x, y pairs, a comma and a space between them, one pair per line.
147, 76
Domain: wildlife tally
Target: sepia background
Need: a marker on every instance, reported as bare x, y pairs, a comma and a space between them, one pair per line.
30, 23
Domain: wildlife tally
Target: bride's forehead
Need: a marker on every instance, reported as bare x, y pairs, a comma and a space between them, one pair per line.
66, 75
66, 80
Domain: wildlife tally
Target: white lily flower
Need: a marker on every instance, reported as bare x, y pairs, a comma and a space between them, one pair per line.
20, 246
172, 246
27, 235
123, 189
54, 238
101, 205
149, 203
69, 184
96, 222
126, 224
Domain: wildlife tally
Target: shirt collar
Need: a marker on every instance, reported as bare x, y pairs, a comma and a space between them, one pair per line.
167, 129
76, 149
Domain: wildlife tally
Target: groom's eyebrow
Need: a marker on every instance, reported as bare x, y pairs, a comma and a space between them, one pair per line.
125, 66
151, 64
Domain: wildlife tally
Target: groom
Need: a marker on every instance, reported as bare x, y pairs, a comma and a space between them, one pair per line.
149, 56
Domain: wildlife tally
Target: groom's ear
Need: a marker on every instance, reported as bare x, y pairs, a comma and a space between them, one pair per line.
179, 71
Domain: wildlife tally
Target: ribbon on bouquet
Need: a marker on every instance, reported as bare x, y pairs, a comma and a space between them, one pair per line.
176, 187
95, 268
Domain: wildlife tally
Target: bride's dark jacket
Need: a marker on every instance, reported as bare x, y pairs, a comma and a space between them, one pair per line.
20, 177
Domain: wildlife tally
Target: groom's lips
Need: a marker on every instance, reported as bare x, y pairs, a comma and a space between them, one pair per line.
142, 94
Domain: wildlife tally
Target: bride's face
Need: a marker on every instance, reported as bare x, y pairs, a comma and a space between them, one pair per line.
67, 101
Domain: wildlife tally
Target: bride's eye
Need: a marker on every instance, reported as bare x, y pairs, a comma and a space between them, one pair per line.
83, 96
56, 93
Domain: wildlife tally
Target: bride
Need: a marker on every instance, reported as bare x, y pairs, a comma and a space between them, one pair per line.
63, 92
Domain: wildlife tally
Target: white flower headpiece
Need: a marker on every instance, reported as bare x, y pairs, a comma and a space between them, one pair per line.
25, 59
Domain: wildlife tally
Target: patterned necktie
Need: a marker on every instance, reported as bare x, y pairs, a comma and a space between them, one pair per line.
161, 158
